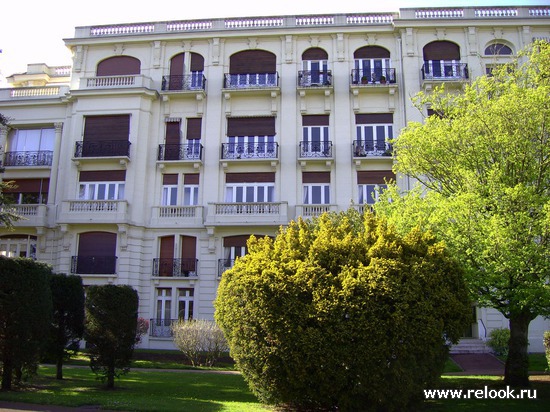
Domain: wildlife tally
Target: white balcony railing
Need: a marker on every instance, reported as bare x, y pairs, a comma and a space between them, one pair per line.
33, 92
32, 214
314, 210
106, 82
228, 213
98, 211
168, 216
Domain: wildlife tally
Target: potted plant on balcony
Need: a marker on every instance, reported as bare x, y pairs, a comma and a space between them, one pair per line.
382, 79
364, 80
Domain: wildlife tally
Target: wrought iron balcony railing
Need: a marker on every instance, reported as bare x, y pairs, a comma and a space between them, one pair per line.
223, 265
179, 267
102, 148
195, 81
321, 149
187, 151
444, 70
375, 76
363, 148
250, 80
250, 150
38, 158
314, 78
161, 328
93, 265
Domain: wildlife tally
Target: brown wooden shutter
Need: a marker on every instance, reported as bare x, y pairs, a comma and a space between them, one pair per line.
119, 66
176, 65
170, 179
441, 50
267, 177
102, 176
109, 127
371, 52
253, 61
235, 241
315, 53
29, 186
194, 127
373, 118
315, 120
188, 247
97, 244
191, 178
251, 126
197, 62
315, 177
378, 177
167, 247
173, 132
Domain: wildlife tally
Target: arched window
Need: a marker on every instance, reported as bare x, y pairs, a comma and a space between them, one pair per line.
252, 68
18, 246
315, 68
442, 61
118, 66
186, 72
498, 49
372, 64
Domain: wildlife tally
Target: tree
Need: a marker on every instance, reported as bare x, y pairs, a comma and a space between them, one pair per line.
25, 315
339, 312
485, 158
110, 329
67, 327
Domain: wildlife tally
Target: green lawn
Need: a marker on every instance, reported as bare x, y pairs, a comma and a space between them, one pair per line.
192, 390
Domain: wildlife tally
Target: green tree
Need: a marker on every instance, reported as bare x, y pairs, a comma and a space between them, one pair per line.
67, 327
25, 315
339, 312
110, 329
485, 159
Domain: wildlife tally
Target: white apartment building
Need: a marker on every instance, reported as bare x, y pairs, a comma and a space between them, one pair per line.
153, 158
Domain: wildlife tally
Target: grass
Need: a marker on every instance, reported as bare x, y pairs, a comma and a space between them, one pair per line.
212, 391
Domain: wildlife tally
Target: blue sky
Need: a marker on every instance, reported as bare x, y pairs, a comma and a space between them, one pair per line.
34, 34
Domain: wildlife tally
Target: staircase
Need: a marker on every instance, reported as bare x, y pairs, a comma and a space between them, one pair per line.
470, 345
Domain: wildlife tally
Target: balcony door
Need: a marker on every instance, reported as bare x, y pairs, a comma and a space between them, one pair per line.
442, 60
315, 66
106, 136
372, 65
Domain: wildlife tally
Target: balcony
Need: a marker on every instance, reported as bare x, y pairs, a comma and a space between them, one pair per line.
436, 72
161, 328
96, 211
180, 216
180, 267
250, 151
184, 83
35, 93
188, 152
29, 159
93, 265
115, 82
34, 215
102, 148
307, 211
223, 265
250, 80
377, 77
314, 152
362, 148
315, 78
251, 213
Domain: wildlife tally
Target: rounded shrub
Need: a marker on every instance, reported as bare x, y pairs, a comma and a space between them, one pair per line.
342, 313
498, 341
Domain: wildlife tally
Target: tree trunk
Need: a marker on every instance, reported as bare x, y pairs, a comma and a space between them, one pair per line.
110, 377
516, 371
7, 370
59, 367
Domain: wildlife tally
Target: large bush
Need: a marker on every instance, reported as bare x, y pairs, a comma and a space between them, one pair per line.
547, 347
25, 315
111, 329
342, 313
498, 341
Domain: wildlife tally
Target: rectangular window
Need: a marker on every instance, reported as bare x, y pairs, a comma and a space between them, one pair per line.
374, 131
316, 194
371, 184
164, 304
32, 140
101, 191
185, 303
372, 70
369, 193
249, 192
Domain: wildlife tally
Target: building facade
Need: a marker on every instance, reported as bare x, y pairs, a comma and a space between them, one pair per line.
165, 145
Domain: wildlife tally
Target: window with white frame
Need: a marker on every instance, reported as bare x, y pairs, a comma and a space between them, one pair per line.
316, 188
374, 132
31, 140
101, 191
164, 304
18, 246
249, 187
372, 64
190, 195
371, 184
169, 189
315, 136
185, 303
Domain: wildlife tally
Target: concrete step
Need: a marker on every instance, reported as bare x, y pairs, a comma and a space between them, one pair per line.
470, 345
